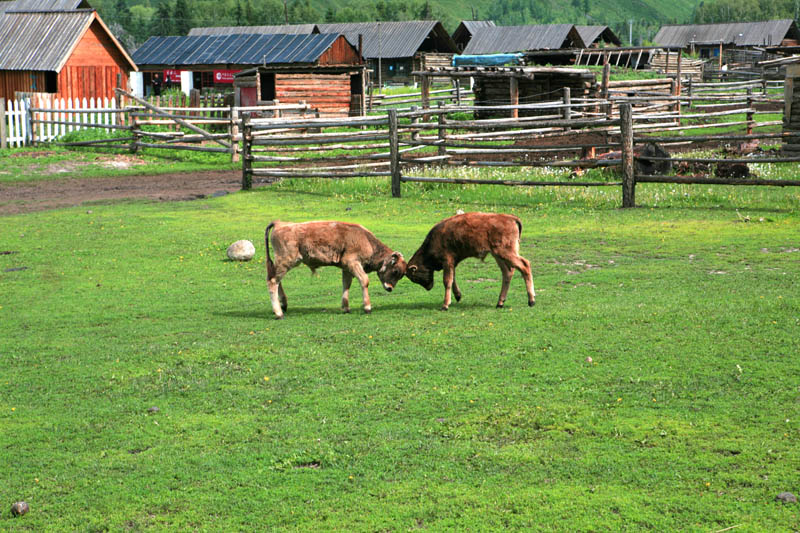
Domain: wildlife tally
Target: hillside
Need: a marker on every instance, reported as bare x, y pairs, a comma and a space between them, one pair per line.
141, 19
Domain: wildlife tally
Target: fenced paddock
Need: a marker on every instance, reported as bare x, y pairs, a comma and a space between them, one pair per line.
569, 136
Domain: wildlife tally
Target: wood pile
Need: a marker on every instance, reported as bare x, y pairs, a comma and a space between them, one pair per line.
433, 60
667, 63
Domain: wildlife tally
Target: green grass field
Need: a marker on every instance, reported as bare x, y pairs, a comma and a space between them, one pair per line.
409, 418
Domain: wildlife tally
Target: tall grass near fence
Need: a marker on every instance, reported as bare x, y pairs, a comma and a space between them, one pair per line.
146, 387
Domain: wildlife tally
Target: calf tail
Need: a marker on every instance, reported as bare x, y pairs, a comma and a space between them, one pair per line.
270, 264
519, 227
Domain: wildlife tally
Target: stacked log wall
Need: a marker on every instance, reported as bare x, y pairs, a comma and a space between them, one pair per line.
543, 88
330, 93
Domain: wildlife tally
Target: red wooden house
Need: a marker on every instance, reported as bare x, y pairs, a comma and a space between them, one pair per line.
62, 48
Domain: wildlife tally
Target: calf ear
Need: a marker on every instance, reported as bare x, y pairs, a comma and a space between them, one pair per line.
412, 268
396, 256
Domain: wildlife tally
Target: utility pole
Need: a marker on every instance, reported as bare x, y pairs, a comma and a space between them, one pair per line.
630, 32
380, 57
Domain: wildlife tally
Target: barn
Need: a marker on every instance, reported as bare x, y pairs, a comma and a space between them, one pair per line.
710, 39
324, 70
597, 36
395, 49
59, 47
542, 44
467, 29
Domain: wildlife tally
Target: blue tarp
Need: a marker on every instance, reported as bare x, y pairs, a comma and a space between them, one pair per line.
486, 60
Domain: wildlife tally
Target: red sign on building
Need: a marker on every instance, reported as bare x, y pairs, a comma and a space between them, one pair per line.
224, 76
172, 76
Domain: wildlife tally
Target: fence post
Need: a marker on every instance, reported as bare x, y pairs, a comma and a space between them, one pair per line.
134, 126
394, 153
673, 87
3, 129
247, 163
689, 90
458, 92
414, 122
749, 116
626, 140
234, 131
442, 130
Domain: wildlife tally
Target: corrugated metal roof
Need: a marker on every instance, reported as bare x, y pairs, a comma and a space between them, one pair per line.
40, 41
508, 39
590, 34
48, 5
769, 33
467, 29
292, 29
394, 39
237, 49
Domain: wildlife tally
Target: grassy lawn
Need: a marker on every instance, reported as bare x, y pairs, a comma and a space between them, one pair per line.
477, 419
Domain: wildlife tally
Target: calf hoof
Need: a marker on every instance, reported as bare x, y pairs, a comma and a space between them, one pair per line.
278, 317
458, 297
284, 307
531, 303
499, 306
367, 310
444, 308
346, 311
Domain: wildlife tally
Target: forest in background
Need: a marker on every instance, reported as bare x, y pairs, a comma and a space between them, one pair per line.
634, 21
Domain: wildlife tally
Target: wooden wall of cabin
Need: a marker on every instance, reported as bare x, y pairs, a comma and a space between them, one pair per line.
544, 88
330, 93
25, 81
91, 70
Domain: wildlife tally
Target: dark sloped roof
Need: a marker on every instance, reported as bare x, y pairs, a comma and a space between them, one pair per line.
47, 5
590, 34
237, 49
769, 33
507, 39
395, 39
294, 29
40, 41
467, 29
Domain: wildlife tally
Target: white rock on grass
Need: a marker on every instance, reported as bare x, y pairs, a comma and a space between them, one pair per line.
241, 251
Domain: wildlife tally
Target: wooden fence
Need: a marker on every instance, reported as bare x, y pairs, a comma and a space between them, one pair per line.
391, 145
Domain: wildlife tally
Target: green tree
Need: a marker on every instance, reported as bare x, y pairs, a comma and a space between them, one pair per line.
161, 23
182, 17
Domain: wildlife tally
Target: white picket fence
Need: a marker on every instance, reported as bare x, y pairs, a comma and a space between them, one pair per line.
55, 117
17, 122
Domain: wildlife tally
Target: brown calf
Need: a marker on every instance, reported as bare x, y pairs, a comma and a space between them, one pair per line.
350, 247
471, 235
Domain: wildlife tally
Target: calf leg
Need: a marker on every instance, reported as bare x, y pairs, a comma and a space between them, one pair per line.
448, 276
347, 279
456, 290
275, 289
282, 295
508, 273
524, 266
357, 270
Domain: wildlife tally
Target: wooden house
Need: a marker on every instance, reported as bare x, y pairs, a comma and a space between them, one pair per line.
709, 40
393, 50
62, 48
467, 29
541, 44
322, 70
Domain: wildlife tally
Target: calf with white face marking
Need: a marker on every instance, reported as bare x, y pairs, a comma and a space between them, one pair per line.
350, 247
471, 235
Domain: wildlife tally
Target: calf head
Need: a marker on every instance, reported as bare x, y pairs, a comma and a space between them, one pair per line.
392, 269
419, 273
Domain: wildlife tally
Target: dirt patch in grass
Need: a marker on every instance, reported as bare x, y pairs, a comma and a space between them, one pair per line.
50, 194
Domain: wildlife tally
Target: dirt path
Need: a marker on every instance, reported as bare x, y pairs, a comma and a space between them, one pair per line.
49, 194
